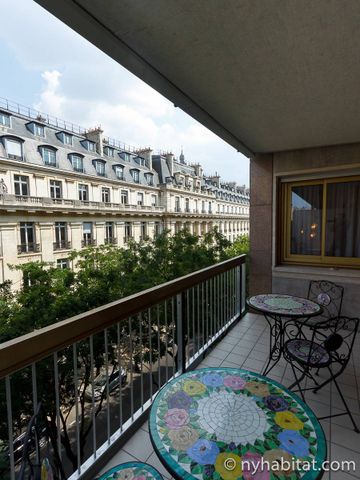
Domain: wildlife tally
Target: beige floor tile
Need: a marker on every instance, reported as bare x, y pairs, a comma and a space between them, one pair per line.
139, 445
120, 457
155, 462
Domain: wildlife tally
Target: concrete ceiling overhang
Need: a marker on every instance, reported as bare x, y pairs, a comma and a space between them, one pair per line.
265, 76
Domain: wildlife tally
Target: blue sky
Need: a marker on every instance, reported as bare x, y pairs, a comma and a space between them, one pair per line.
47, 66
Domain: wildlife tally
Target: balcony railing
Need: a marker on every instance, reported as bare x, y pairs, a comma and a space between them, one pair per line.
110, 241
28, 248
62, 245
45, 202
88, 242
149, 337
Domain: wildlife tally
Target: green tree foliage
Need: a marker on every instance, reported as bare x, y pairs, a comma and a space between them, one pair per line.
101, 275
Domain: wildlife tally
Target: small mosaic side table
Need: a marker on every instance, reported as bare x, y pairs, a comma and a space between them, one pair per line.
279, 310
132, 471
221, 423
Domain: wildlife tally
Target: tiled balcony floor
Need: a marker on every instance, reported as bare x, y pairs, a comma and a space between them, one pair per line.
246, 346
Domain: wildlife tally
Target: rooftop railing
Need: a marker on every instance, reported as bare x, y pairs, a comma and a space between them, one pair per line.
96, 374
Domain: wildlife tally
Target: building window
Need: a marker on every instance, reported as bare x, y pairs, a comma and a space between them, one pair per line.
143, 230
157, 229
39, 130
77, 162
88, 145
128, 232
109, 151
55, 189
100, 168
124, 197
83, 192
62, 263
60, 236
48, 156
27, 238
140, 198
187, 205
154, 200
149, 178
177, 204
322, 222
135, 175
5, 119
105, 195
119, 172
14, 149
87, 234
125, 156
109, 232
67, 138
203, 207
21, 184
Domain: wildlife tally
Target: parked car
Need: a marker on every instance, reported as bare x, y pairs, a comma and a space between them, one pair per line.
100, 383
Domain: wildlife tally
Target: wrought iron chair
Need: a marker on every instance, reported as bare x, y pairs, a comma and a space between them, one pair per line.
40, 459
329, 347
329, 296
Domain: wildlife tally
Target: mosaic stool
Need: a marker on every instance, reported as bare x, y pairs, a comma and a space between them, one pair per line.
132, 471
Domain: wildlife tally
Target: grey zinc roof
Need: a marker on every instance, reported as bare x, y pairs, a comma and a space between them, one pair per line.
32, 153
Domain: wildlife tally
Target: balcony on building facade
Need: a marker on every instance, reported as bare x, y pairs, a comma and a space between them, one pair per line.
88, 242
28, 248
62, 245
110, 240
160, 316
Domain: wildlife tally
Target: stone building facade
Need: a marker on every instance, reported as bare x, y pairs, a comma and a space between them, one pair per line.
65, 188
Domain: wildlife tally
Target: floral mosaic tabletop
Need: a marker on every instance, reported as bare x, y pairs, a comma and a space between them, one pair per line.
232, 424
132, 471
285, 305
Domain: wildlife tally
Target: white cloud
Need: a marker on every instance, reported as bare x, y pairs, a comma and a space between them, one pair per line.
51, 101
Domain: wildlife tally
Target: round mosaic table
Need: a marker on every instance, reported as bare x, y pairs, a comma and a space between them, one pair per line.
279, 310
224, 423
132, 471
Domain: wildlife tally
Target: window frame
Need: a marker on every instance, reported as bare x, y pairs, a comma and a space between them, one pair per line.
4, 115
19, 180
83, 188
71, 157
54, 186
48, 148
286, 256
105, 191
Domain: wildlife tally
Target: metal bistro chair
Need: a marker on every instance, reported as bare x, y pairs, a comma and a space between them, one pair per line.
329, 347
329, 296
40, 459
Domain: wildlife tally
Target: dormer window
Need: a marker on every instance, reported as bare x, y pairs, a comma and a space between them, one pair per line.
37, 129
48, 155
109, 151
65, 138
90, 146
135, 175
5, 119
14, 148
125, 156
149, 178
77, 162
119, 172
99, 167
140, 161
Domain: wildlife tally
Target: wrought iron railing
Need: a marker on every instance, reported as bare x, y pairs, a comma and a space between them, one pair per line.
96, 374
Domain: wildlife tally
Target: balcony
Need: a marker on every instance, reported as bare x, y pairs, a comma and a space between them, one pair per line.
88, 242
110, 241
62, 245
28, 248
43, 203
192, 322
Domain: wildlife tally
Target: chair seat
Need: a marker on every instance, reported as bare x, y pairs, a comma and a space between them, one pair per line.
299, 349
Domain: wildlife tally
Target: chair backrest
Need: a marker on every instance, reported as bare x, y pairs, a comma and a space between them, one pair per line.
328, 295
339, 343
40, 459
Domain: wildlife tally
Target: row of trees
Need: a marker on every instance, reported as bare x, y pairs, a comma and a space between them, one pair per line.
101, 275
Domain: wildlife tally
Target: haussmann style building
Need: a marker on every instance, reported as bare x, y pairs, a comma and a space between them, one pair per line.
63, 188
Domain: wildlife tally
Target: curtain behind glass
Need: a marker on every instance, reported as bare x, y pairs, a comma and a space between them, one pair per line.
306, 214
343, 220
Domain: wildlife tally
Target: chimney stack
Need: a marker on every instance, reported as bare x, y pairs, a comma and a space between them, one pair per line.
95, 135
170, 162
147, 154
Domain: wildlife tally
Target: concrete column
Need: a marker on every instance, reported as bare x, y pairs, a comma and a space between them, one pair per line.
261, 181
136, 231
46, 237
76, 235
8, 251
120, 233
